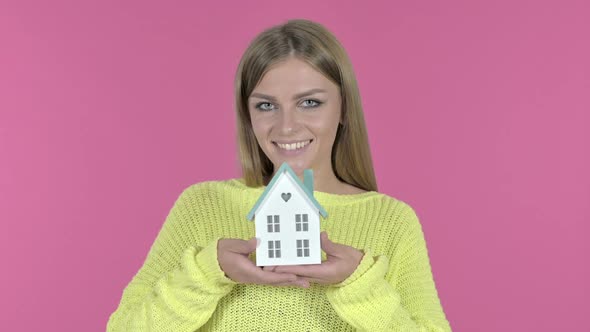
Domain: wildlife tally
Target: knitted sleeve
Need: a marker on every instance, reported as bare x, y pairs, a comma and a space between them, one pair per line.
392, 295
180, 283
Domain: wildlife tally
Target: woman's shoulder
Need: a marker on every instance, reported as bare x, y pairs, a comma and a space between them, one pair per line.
399, 207
210, 188
359, 196
392, 208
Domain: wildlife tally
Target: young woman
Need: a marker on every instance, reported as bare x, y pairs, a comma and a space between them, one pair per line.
297, 101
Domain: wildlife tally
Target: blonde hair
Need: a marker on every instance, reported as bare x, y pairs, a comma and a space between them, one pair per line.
313, 43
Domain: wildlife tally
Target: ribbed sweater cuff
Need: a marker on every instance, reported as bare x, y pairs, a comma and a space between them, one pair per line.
370, 271
361, 301
208, 265
366, 262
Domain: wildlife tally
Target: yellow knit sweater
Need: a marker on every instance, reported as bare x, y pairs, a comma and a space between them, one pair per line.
181, 287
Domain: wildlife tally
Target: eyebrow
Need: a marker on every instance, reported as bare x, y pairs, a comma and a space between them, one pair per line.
297, 96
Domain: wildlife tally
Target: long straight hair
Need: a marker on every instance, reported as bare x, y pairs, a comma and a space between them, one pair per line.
313, 43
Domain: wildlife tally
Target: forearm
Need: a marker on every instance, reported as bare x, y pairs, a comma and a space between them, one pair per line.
181, 300
368, 302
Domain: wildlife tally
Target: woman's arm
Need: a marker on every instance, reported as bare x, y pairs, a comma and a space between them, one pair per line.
396, 295
178, 286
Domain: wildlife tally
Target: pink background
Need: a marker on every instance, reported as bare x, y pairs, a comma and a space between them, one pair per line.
478, 115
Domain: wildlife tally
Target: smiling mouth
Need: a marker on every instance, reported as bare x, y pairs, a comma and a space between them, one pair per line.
293, 146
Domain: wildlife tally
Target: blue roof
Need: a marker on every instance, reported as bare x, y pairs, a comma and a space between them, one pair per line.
308, 174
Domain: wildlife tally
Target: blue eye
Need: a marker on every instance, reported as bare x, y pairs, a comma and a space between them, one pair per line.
313, 104
259, 106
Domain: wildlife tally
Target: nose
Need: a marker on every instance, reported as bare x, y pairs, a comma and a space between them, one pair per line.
288, 121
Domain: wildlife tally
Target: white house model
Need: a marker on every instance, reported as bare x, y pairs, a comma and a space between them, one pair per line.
287, 219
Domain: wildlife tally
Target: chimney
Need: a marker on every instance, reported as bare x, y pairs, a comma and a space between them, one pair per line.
308, 179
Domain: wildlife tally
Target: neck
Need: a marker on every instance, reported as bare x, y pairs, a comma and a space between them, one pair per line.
324, 180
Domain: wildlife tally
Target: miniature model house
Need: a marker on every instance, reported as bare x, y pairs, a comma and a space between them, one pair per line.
287, 220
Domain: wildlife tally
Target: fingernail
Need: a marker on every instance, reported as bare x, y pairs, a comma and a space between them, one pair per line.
257, 242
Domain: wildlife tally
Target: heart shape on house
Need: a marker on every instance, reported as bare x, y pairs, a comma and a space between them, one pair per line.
286, 196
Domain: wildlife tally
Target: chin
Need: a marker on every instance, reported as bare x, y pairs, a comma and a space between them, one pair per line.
297, 165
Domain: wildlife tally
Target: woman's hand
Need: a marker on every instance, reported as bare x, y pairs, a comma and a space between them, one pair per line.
341, 262
232, 255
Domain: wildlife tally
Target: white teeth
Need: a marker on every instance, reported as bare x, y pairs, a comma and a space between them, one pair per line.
293, 146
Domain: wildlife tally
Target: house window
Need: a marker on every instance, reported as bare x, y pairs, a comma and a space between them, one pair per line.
302, 248
274, 249
301, 223
272, 224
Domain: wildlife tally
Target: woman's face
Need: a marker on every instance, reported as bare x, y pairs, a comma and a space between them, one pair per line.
295, 111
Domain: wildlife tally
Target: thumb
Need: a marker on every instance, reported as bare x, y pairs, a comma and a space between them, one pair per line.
327, 245
252, 244
246, 247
